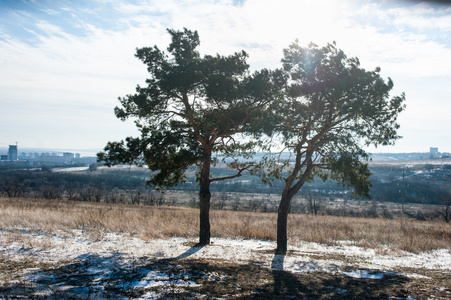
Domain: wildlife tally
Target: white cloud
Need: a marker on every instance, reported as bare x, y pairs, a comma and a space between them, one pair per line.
48, 28
50, 11
422, 16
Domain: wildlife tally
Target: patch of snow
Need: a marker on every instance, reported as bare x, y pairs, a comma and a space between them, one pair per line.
172, 291
71, 169
76, 244
434, 260
416, 276
364, 274
313, 267
337, 289
151, 280
95, 270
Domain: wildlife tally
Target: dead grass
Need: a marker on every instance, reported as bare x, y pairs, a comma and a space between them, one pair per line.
160, 222
401, 234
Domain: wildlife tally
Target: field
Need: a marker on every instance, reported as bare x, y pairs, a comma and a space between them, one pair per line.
60, 249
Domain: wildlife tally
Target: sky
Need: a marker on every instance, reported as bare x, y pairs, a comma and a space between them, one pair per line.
63, 64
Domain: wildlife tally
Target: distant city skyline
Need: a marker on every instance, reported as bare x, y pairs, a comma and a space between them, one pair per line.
38, 157
50, 151
63, 64
431, 152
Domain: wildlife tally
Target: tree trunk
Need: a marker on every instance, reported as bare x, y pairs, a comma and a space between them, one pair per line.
204, 201
282, 221
204, 218
284, 207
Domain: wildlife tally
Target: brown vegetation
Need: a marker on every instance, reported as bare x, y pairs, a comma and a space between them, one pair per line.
150, 222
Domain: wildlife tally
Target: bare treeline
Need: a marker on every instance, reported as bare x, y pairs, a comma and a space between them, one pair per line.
109, 188
423, 200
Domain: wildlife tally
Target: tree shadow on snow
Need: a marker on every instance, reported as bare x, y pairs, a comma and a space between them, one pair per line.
80, 279
92, 276
316, 285
285, 282
194, 249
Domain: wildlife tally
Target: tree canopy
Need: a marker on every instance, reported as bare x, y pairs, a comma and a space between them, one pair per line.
332, 109
191, 108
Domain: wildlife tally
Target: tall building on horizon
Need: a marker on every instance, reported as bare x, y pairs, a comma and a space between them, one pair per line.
12, 152
67, 156
434, 152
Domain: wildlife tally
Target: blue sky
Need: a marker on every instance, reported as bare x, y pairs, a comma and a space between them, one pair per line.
63, 64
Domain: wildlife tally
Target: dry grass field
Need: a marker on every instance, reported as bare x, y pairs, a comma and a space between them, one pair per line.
162, 222
37, 226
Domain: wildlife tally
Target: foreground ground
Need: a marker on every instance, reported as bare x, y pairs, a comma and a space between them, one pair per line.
75, 250
115, 265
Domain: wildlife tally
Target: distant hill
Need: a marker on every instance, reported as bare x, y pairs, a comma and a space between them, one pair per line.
399, 156
402, 156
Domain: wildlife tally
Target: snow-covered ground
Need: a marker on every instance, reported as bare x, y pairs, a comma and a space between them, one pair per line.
104, 256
